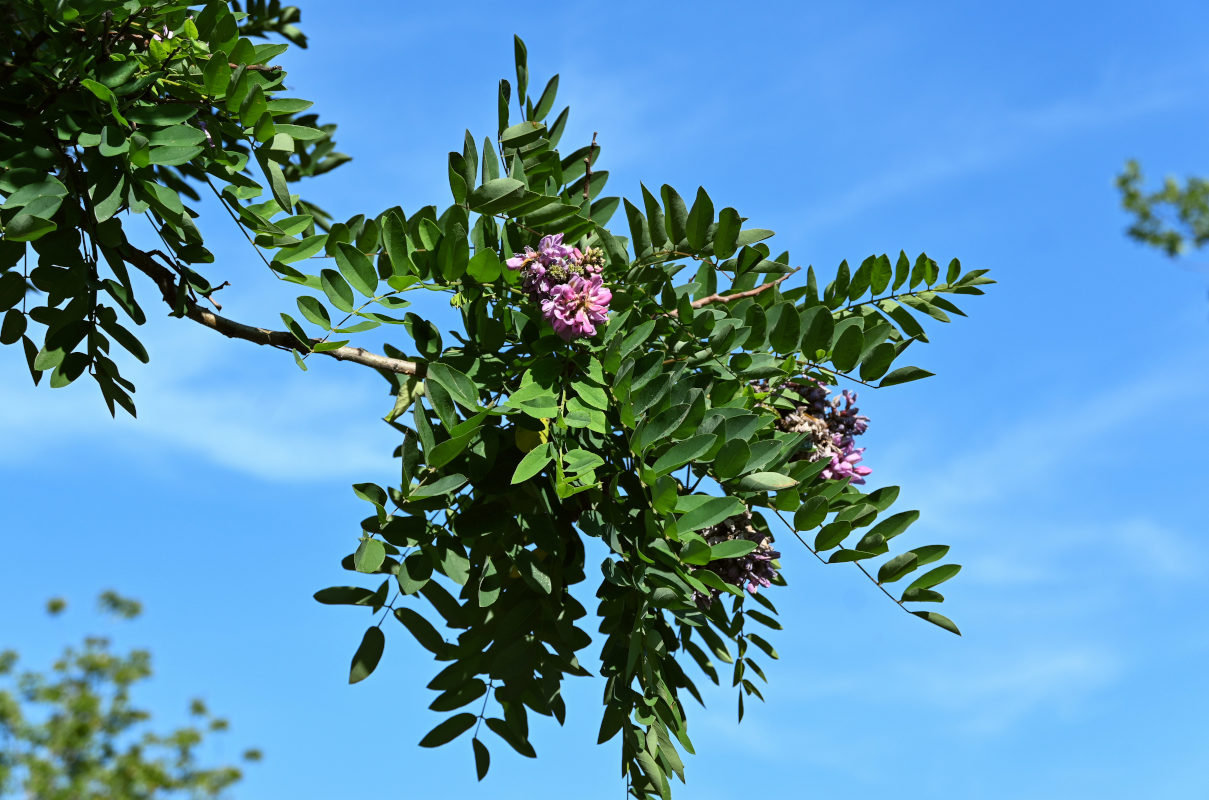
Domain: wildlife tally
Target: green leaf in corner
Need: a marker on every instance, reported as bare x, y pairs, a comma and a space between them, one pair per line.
449, 730
365, 660
935, 577
482, 758
938, 619
903, 375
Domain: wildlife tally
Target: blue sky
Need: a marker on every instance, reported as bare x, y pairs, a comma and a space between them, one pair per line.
1060, 449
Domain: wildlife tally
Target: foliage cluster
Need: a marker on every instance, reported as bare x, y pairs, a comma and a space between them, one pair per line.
1171, 218
516, 444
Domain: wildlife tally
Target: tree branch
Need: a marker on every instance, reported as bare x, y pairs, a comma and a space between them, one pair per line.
285, 340
730, 298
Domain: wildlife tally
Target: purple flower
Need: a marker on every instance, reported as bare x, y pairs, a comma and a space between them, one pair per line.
753, 570
537, 282
551, 251
844, 464
576, 307
521, 259
831, 425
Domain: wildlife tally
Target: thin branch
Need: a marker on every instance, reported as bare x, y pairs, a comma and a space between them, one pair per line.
256, 67
859, 565
730, 298
284, 340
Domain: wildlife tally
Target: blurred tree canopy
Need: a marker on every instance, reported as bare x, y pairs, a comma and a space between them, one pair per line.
73, 731
1173, 218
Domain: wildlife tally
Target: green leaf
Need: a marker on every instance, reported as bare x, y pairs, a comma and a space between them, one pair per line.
654, 214
533, 462
27, 228
356, 267
929, 553
414, 571
861, 279
881, 275
520, 745
878, 361
369, 556
732, 548
753, 235
938, 619
636, 337
843, 556
277, 181
441, 486
14, 325
50, 187
921, 596
699, 219
522, 134
314, 311
459, 385
253, 106
832, 534
482, 758
935, 577
677, 214
365, 660
217, 74
726, 235
766, 482
848, 348
786, 333
345, 596
683, 452
817, 329
710, 512
498, 195
421, 629
300, 133
731, 459
449, 730
546, 102
810, 514
338, 292
903, 375
485, 267
894, 525
897, 567
639, 235
163, 114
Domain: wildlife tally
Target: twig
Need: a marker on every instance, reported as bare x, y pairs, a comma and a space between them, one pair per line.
284, 340
859, 565
730, 298
256, 67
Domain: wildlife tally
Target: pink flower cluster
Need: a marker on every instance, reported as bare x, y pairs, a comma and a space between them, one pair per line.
833, 423
567, 284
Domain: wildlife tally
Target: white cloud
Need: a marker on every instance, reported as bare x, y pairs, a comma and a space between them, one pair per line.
238, 406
